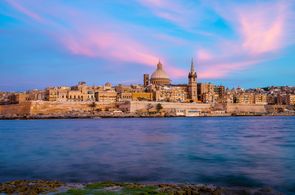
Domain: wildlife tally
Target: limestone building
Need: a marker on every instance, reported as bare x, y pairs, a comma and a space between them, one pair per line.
290, 99
162, 89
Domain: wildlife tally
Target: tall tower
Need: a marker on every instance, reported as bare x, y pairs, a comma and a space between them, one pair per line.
192, 83
146, 80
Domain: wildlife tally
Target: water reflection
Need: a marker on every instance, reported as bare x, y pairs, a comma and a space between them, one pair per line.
250, 151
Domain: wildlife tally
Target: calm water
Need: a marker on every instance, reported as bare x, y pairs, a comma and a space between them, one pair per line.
240, 151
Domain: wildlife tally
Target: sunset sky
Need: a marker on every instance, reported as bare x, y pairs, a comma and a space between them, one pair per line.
60, 42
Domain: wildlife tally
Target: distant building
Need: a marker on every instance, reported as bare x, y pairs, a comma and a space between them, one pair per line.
162, 89
290, 99
260, 99
244, 98
281, 99
158, 88
146, 80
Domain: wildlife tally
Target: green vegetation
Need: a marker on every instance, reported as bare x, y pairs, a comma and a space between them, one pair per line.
100, 185
159, 107
29, 187
143, 190
113, 188
86, 192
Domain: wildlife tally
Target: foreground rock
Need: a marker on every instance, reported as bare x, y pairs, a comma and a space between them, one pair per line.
29, 187
24, 187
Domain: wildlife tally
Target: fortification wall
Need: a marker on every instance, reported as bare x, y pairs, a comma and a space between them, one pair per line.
21, 109
58, 108
133, 106
245, 108
35, 108
62, 108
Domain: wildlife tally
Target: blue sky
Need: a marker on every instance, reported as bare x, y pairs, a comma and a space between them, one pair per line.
59, 42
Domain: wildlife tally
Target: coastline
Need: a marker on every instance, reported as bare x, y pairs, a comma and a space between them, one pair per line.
108, 187
101, 116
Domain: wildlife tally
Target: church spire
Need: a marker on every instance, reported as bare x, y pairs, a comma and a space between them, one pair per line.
192, 66
192, 83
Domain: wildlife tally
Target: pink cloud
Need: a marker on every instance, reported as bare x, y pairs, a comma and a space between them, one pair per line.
86, 39
109, 46
262, 29
204, 55
261, 32
177, 72
24, 10
112, 47
216, 70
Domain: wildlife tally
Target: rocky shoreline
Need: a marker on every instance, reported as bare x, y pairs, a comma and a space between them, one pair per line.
128, 115
34, 187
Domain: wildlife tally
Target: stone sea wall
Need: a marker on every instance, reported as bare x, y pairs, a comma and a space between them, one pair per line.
16, 109
45, 108
133, 106
245, 108
57, 108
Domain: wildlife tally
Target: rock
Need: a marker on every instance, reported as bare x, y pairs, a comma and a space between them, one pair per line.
29, 187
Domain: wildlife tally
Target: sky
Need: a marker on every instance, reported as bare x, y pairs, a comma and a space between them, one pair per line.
248, 43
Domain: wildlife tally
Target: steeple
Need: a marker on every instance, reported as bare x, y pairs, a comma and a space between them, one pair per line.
192, 83
192, 66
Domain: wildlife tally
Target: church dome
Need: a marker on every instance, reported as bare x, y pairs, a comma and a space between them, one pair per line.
160, 76
159, 73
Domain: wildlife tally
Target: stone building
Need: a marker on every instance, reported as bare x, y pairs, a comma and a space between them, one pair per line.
271, 99
244, 98
260, 99
173, 93
4, 97
281, 99
106, 96
135, 96
17, 98
162, 89
290, 99
206, 92
146, 80
250, 98
220, 90
209, 97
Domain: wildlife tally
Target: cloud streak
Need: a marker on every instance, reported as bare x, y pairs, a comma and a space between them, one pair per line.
24, 10
260, 33
253, 37
87, 39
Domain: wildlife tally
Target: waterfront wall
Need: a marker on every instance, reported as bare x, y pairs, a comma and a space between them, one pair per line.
84, 109
34, 108
245, 108
58, 108
21, 109
133, 106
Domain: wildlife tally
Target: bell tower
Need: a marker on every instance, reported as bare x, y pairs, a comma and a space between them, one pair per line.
192, 83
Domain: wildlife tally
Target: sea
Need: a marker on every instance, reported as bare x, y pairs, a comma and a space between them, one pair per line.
247, 152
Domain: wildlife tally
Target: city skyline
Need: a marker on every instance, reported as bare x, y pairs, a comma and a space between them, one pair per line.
57, 43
